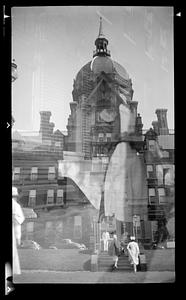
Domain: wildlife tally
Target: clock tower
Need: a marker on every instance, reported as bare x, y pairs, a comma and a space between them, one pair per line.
100, 87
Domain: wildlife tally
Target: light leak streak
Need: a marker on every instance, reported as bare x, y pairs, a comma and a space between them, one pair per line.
164, 63
148, 46
163, 68
128, 16
129, 38
149, 55
101, 15
163, 38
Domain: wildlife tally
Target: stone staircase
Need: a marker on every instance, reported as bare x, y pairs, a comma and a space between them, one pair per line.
105, 263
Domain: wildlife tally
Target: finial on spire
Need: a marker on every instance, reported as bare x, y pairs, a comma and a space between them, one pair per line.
100, 28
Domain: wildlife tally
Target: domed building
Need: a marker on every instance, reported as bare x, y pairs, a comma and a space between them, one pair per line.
50, 177
99, 88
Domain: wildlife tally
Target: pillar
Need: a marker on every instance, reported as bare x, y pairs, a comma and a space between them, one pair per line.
133, 109
119, 229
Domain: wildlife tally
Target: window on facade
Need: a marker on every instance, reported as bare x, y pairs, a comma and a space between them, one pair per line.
108, 137
32, 198
165, 174
161, 195
105, 160
101, 151
16, 174
51, 173
58, 144
149, 171
94, 138
152, 196
93, 150
34, 172
152, 145
47, 142
165, 154
50, 196
100, 137
60, 196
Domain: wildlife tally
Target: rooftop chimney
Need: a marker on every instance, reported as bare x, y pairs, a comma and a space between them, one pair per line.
45, 127
162, 121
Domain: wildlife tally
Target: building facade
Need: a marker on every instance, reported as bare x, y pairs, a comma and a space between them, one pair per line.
94, 129
35, 173
159, 159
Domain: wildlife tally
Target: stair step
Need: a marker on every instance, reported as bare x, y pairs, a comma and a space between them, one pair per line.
115, 270
120, 258
105, 259
108, 259
119, 262
119, 266
105, 263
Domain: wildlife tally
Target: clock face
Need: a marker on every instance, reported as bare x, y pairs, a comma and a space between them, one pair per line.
107, 115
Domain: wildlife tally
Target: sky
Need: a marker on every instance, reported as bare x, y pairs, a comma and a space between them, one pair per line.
50, 44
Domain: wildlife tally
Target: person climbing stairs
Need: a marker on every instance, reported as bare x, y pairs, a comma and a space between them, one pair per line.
105, 263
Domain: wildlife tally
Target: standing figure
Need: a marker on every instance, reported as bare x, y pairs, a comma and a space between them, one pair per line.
105, 237
134, 252
114, 250
17, 220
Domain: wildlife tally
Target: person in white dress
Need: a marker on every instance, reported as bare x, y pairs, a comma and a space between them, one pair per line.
17, 219
105, 237
133, 250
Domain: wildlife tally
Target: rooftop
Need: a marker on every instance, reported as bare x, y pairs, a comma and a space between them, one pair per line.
166, 141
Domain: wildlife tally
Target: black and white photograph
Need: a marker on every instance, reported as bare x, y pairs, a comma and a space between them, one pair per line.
92, 144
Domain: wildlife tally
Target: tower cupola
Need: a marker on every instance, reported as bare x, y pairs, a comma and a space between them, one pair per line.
101, 43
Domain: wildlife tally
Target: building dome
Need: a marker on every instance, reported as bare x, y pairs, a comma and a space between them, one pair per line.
102, 64
106, 64
120, 70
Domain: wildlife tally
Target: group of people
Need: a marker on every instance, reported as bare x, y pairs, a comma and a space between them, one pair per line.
113, 246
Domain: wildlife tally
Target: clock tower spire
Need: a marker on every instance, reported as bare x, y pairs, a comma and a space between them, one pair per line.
101, 43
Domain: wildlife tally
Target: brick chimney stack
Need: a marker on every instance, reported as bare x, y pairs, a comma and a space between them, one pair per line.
162, 121
45, 127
